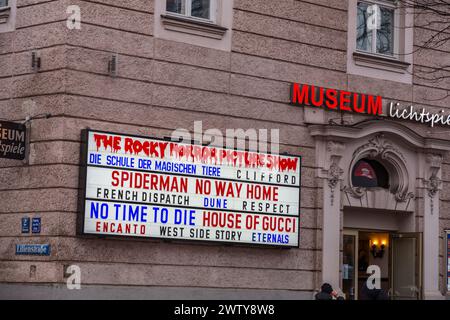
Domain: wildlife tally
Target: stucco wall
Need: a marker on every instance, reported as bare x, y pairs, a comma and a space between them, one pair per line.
164, 85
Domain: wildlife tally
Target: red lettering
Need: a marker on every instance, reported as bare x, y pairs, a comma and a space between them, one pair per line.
115, 178
332, 99
112, 142
300, 96
345, 100
259, 192
128, 145
359, 108
278, 224
150, 181
288, 164
222, 220
314, 102
252, 221
98, 140
331, 96
375, 107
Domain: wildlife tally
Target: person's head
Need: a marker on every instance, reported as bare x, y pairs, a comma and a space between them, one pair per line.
327, 288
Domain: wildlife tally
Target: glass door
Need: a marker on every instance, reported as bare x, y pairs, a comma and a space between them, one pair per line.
406, 266
350, 265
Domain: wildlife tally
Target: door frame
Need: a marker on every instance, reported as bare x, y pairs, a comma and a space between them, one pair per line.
419, 264
355, 233
418, 235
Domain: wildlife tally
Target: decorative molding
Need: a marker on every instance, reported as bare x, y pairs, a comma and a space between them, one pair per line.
404, 196
435, 163
434, 160
378, 146
334, 151
335, 148
334, 175
355, 192
381, 148
4, 14
386, 140
433, 186
394, 128
191, 26
365, 59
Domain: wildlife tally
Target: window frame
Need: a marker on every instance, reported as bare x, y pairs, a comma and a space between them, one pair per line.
392, 5
7, 5
188, 10
397, 68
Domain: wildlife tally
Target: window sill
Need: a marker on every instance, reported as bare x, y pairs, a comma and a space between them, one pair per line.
364, 59
5, 12
199, 28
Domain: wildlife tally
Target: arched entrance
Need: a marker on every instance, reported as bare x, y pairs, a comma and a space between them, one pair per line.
380, 184
378, 219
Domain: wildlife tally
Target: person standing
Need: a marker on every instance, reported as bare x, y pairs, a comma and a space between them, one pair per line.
327, 293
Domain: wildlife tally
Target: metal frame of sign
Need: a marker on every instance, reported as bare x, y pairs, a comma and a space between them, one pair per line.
82, 198
447, 245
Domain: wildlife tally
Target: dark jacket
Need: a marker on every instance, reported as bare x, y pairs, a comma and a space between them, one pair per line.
323, 296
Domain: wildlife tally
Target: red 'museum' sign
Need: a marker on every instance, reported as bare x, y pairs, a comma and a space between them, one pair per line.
339, 100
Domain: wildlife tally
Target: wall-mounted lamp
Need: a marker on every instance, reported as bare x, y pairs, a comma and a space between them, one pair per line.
377, 250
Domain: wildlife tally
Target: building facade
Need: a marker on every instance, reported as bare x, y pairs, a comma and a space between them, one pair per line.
149, 67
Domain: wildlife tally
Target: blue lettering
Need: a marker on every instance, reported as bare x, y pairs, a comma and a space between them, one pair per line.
95, 158
145, 164
95, 210
181, 168
215, 203
133, 215
211, 171
129, 212
185, 217
118, 161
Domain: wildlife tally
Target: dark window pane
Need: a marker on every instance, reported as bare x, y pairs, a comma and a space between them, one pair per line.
363, 34
385, 35
177, 6
201, 9
369, 173
3, 3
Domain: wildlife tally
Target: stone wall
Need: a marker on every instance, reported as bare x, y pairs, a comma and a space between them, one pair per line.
163, 85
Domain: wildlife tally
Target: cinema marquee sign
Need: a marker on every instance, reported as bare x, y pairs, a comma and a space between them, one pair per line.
150, 188
341, 100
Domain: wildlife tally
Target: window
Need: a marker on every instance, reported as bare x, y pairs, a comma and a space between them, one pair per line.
380, 39
370, 174
199, 9
206, 23
375, 28
5, 13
